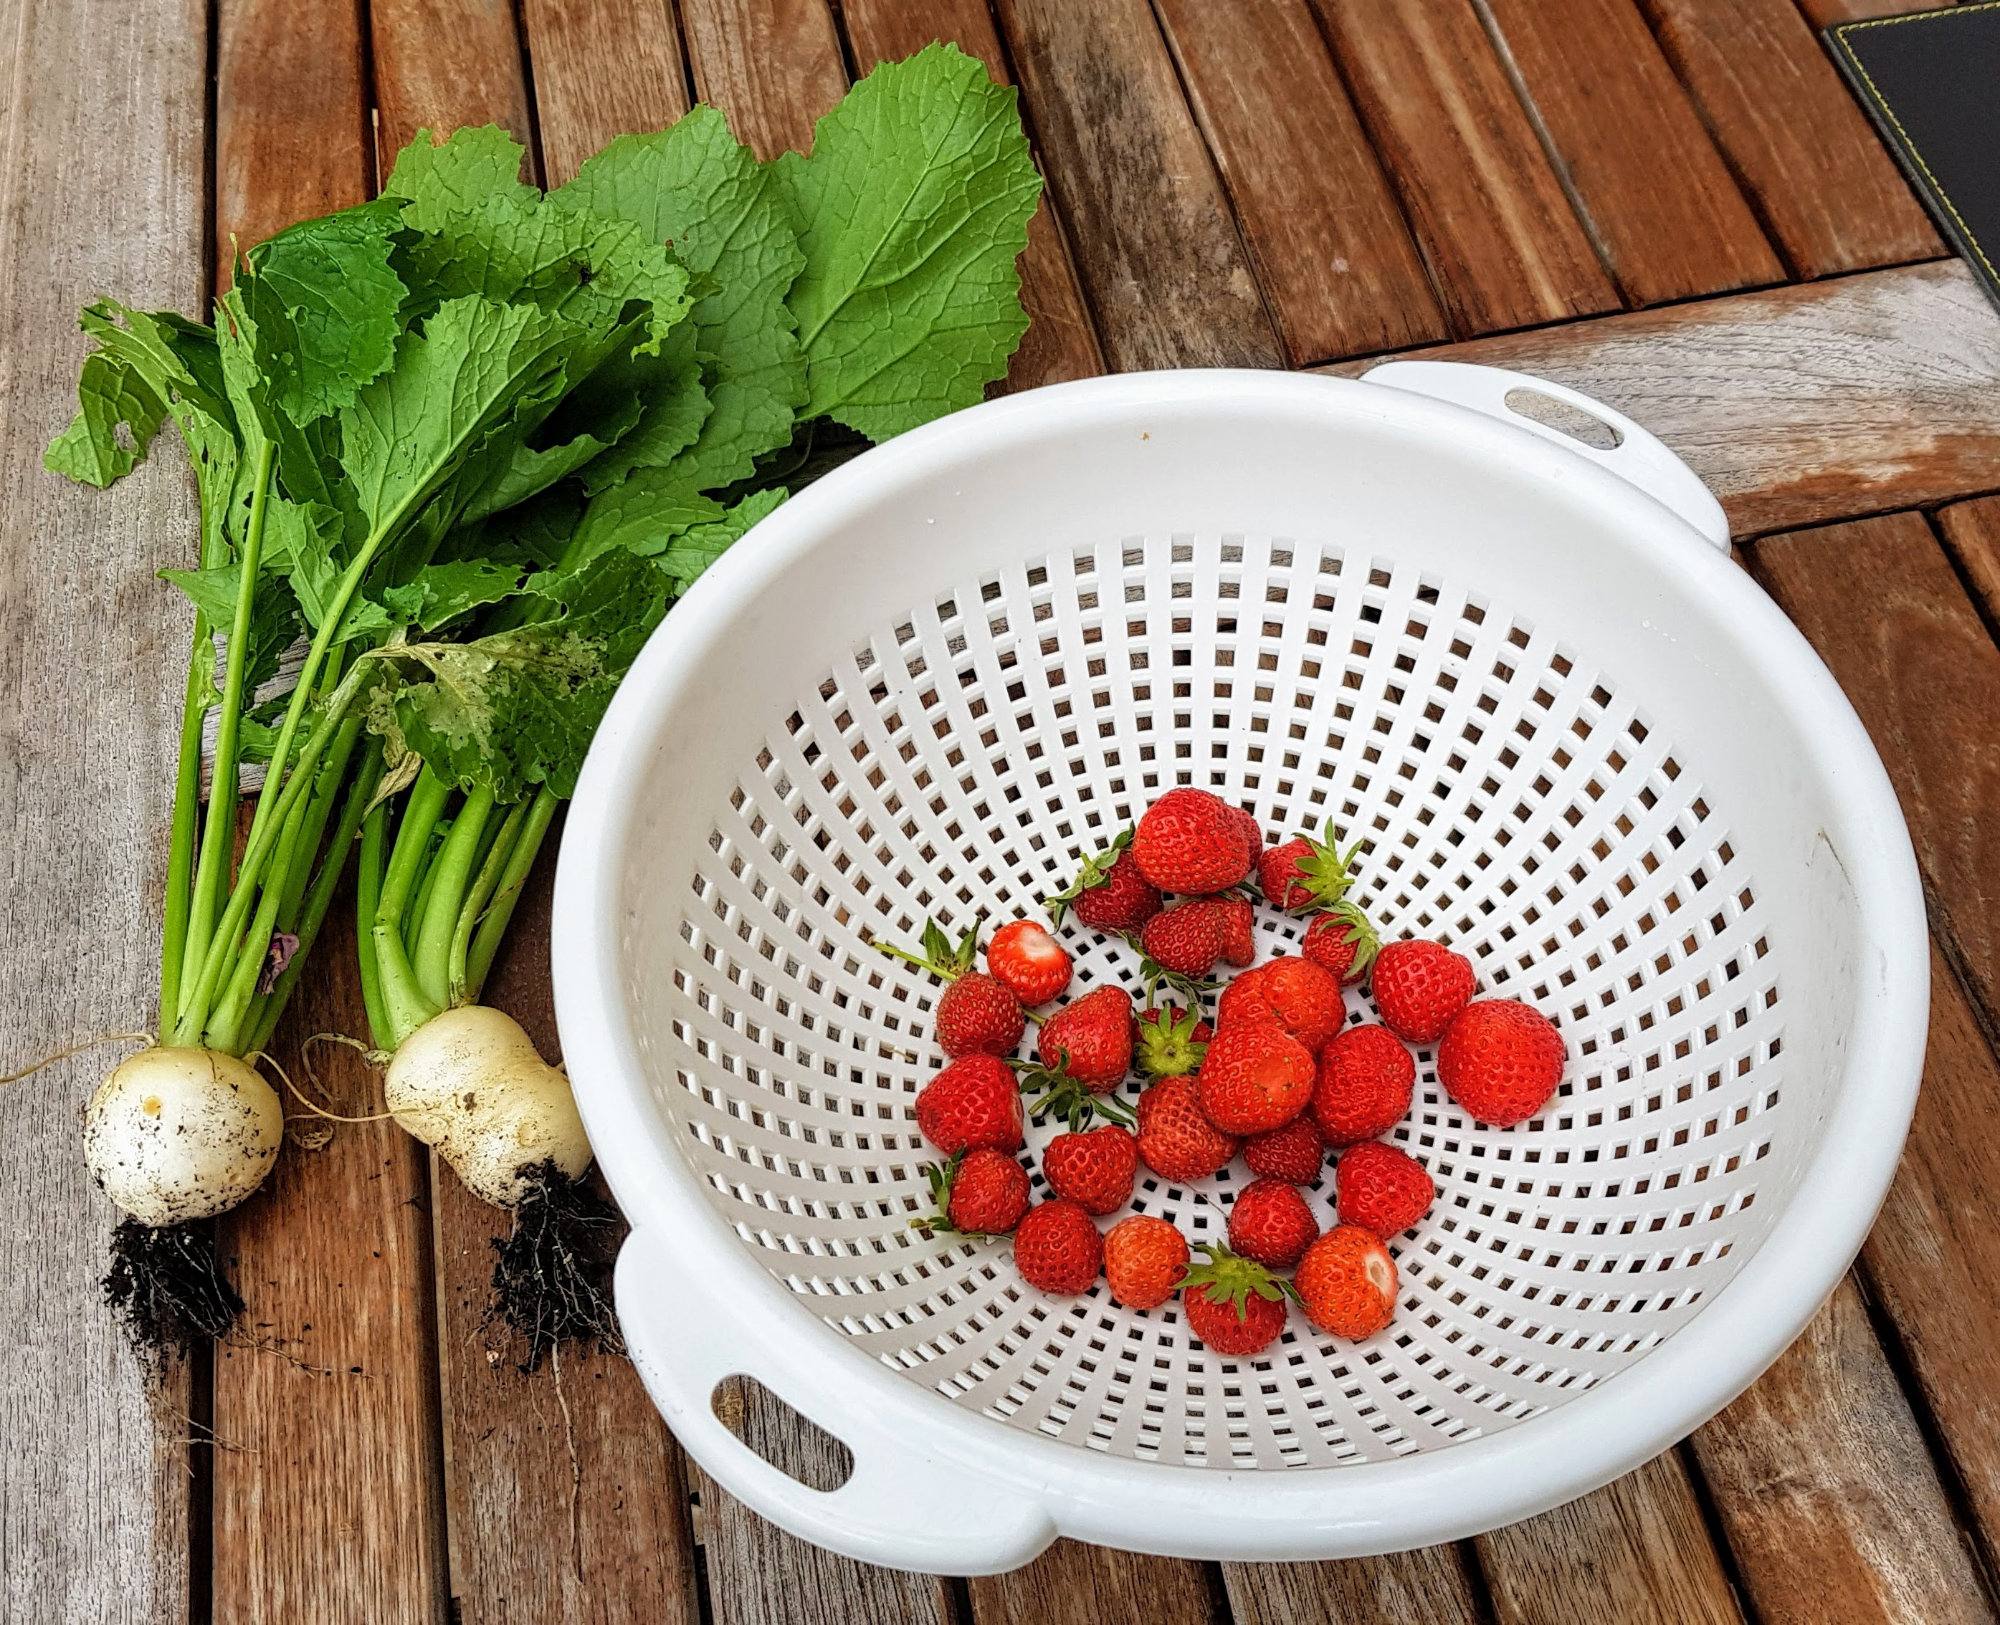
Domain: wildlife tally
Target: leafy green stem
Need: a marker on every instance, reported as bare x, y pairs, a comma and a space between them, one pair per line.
368, 897
187, 822
405, 1006
451, 874
486, 940
484, 884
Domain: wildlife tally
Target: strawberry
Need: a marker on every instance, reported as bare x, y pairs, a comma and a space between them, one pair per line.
1294, 993
1341, 941
1029, 961
1294, 1153
1270, 1222
1177, 1142
1172, 1041
1302, 875
1347, 1282
1092, 1038
1381, 1188
1094, 1169
972, 1103
1057, 1248
1253, 832
1366, 1080
1193, 842
1109, 893
1187, 939
1501, 1061
1256, 1077
1419, 987
977, 1014
1239, 930
1144, 1260
979, 1193
1232, 1304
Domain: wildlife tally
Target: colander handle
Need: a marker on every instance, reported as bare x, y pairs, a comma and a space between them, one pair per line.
1639, 458
905, 1505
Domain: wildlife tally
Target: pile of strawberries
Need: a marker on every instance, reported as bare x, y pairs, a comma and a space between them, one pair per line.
1278, 1076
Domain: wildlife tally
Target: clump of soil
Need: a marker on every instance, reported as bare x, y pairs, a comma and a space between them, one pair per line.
165, 1284
552, 1280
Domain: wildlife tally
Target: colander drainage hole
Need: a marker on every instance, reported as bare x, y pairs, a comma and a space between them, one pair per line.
794, 1444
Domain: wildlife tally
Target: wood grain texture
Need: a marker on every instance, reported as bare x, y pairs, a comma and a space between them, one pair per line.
1075, 1584
772, 66
1061, 341
1852, 396
1155, 243
1827, 1495
292, 127
1822, 12
1504, 247
1798, 142
601, 68
1425, 1587
1338, 267
1653, 190
1635, 1552
440, 64
1972, 533
101, 192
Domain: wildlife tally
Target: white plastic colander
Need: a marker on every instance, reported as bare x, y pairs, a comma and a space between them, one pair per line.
1578, 744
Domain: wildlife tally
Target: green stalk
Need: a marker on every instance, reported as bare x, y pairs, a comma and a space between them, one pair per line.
187, 823
486, 942
225, 1024
368, 897
405, 1006
218, 838
420, 896
319, 808
270, 1006
449, 877
483, 886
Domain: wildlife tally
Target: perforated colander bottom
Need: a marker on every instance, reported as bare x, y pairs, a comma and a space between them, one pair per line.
1512, 802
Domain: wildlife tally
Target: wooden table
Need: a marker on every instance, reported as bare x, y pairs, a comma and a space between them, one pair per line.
1670, 204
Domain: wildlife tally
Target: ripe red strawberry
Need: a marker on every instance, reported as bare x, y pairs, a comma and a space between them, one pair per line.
1256, 1077
1029, 961
977, 1014
1302, 874
1292, 992
1144, 1260
1341, 941
1192, 842
979, 1193
972, 1103
1381, 1188
1187, 939
1234, 1305
1253, 832
1057, 1248
1239, 929
1501, 1061
1092, 1037
1270, 1222
1347, 1282
1366, 1079
1294, 1153
1094, 1169
1419, 987
1109, 893
1171, 1041
1177, 1142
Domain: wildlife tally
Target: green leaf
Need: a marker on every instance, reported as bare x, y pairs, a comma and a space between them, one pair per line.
110, 397
911, 211
304, 542
531, 471
643, 516
443, 592
696, 187
699, 546
675, 404
274, 614
146, 366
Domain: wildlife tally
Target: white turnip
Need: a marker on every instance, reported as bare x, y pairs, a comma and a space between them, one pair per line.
178, 1134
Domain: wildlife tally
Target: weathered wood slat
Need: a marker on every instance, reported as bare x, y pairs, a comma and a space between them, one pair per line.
1425, 1587
1822, 12
101, 193
440, 64
1635, 1551
1856, 395
1154, 239
772, 66
1338, 267
1972, 533
1075, 1584
1827, 1494
1505, 250
1798, 142
1061, 341
1655, 193
602, 68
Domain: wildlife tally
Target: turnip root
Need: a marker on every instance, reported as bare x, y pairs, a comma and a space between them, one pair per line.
180, 1134
470, 1082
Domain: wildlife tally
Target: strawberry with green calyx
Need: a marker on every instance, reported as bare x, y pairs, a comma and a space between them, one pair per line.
1234, 1305
1172, 1041
1304, 876
977, 1014
979, 1193
1091, 1037
939, 956
1069, 1099
1342, 941
1156, 976
1109, 893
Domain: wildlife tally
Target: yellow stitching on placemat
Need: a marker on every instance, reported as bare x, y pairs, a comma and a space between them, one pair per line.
1868, 79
